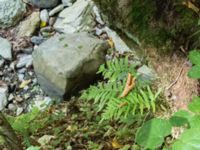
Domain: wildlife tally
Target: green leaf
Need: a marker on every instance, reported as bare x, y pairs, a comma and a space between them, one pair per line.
194, 57
194, 106
151, 135
33, 148
195, 121
199, 22
194, 72
180, 118
189, 140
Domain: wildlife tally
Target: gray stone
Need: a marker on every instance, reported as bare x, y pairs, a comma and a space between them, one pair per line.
21, 77
11, 11
22, 70
56, 10
67, 2
44, 3
119, 44
76, 18
28, 27
19, 111
28, 50
98, 16
12, 107
2, 61
12, 66
146, 73
37, 40
11, 97
65, 63
25, 60
5, 49
52, 20
44, 15
3, 96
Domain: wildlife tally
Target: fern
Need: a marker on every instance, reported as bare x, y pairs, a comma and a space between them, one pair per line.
117, 69
106, 94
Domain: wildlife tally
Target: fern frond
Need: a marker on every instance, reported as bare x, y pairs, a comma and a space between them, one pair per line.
106, 94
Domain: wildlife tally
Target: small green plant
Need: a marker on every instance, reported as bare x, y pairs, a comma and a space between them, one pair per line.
106, 94
29, 124
194, 57
152, 134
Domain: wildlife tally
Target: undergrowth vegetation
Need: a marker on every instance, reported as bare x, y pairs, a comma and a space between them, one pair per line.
108, 96
153, 134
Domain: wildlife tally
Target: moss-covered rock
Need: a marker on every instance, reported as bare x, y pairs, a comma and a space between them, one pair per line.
157, 22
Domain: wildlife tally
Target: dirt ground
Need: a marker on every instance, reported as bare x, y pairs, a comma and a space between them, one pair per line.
172, 77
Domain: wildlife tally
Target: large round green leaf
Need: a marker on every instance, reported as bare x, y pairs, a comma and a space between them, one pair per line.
189, 140
194, 72
194, 106
180, 118
194, 57
151, 135
195, 121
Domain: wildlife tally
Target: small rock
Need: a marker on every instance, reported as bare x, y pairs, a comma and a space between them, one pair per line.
28, 27
34, 81
98, 31
67, 2
19, 99
52, 20
27, 96
5, 49
25, 60
120, 45
12, 66
47, 29
98, 16
2, 61
11, 97
26, 88
22, 70
28, 50
56, 10
3, 96
19, 111
12, 107
44, 15
21, 77
44, 3
37, 40
147, 74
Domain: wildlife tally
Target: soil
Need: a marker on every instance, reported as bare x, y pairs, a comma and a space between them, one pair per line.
172, 73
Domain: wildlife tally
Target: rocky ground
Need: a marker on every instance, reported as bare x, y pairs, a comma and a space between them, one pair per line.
27, 29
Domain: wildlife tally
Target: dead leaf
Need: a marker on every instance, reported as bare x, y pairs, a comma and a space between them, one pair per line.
191, 6
123, 104
111, 43
44, 140
24, 83
116, 144
129, 85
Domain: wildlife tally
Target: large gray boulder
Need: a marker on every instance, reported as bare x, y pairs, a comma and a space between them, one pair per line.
65, 63
11, 11
44, 3
76, 18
